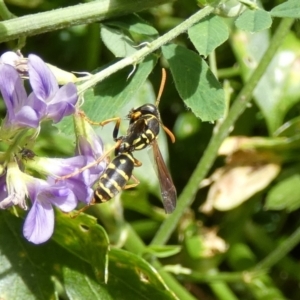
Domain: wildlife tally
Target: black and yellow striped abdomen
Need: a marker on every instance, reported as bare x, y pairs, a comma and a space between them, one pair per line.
114, 178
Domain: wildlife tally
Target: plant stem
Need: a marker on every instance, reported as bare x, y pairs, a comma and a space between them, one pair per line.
188, 194
213, 63
229, 72
149, 48
280, 252
195, 276
86, 13
5, 14
222, 291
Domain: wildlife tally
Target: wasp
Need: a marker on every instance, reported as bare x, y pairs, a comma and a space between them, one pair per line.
143, 130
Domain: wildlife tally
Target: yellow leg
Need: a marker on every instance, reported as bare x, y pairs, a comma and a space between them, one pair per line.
102, 123
137, 163
132, 185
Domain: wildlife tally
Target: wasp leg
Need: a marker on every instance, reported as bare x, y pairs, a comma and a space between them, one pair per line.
132, 185
75, 215
137, 163
94, 163
102, 123
116, 129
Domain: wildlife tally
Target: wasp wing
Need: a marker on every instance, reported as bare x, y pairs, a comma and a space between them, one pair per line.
167, 188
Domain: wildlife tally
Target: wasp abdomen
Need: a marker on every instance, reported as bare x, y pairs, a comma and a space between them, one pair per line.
115, 177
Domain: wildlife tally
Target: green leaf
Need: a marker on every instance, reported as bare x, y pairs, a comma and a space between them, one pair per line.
132, 276
27, 270
254, 20
133, 23
285, 195
279, 89
195, 83
208, 34
120, 44
129, 277
123, 35
80, 282
107, 98
85, 238
288, 9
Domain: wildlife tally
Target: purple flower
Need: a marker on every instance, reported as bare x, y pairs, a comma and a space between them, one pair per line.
39, 223
21, 112
60, 101
54, 168
16, 186
78, 183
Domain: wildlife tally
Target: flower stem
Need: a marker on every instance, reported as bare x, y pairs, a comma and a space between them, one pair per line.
146, 50
86, 13
188, 194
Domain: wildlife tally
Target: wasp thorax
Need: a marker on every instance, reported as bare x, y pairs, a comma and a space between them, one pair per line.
146, 109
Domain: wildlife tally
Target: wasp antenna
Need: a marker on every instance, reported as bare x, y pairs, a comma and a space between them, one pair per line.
169, 133
162, 85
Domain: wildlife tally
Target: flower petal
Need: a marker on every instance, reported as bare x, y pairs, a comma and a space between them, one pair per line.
78, 184
60, 166
39, 223
92, 147
27, 117
10, 58
67, 93
60, 196
59, 110
38, 105
12, 89
41, 79
63, 102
